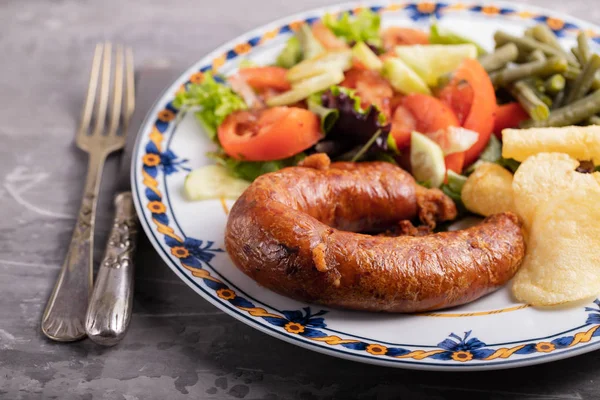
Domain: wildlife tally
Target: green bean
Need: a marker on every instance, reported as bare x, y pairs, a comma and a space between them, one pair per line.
523, 57
596, 83
540, 83
542, 69
558, 100
547, 100
499, 58
539, 87
572, 73
529, 44
583, 47
536, 55
554, 84
594, 120
529, 32
537, 84
537, 110
584, 82
577, 54
570, 114
544, 34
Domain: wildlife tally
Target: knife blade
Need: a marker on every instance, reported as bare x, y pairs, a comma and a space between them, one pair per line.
110, 307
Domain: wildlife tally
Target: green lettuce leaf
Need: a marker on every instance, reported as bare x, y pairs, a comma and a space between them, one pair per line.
328, 116
357, 102
493, 153
386, 158
212, 102
363, 27
509, 164
291, 53
250, 170
358, 132
493, 150
455, 195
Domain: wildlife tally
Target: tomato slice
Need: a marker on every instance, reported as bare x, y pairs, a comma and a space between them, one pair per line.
508, 115
269, 134
395, 36
422, 113
260, 78
455, 162
471, 95
403, 123
371, 87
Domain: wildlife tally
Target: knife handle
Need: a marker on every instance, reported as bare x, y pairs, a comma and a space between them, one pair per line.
109, 311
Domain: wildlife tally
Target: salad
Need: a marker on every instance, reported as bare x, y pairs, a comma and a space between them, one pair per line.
434, 103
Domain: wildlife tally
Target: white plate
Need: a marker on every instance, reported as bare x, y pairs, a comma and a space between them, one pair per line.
493, 332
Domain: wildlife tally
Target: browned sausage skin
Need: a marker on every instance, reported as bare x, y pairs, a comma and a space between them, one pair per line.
293, 232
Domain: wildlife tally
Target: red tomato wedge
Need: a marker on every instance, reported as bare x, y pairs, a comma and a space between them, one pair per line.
260, 78
269, 134
403, 123
371, 87
508, 115
455, 162
421, 113
395, 36
471, 95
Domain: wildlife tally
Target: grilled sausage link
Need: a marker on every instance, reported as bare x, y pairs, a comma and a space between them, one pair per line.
294, 232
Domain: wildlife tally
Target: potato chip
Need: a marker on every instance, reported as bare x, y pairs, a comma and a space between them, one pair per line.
545, 175
489, 190
580, 142
562, 263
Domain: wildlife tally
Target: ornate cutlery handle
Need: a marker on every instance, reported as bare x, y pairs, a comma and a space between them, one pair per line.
110, 306
64, 316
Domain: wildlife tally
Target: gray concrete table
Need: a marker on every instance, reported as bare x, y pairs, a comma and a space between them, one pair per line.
179, 346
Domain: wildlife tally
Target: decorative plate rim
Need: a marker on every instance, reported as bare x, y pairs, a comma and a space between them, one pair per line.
304, 328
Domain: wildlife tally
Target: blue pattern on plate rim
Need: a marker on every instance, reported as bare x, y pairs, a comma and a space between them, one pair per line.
194, 254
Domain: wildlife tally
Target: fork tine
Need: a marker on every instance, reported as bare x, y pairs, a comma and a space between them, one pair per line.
90, 97
104, 91
129, 88
115, 112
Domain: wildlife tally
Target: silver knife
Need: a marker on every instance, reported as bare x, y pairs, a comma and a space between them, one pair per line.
109, 310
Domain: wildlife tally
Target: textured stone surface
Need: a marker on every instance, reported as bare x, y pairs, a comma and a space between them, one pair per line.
179, 346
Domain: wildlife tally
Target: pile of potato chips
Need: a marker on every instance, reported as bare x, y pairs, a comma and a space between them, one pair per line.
559, 206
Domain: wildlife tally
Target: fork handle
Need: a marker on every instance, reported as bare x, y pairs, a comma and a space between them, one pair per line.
64, 316
110, 307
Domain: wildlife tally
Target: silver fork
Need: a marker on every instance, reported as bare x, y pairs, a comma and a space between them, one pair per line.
64, 317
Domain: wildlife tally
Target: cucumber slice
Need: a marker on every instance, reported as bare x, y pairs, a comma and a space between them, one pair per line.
402, 78
302, 89
330, 61
212, 182
432, 61
427, 160
365, 55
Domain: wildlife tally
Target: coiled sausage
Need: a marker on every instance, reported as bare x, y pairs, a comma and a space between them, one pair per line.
295, 232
